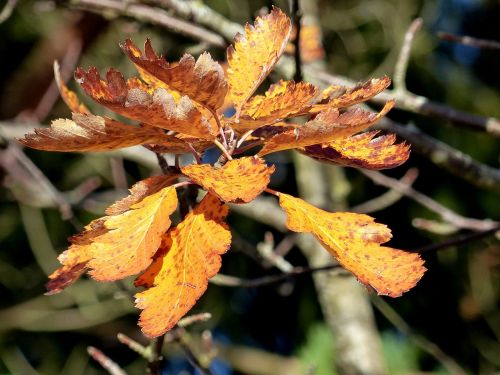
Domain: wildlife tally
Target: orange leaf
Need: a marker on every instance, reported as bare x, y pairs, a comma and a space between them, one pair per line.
188, 258
354, 240
342, 97
202, 80
67, 95
132, 100
325, 127
283, 100
254, 55
238, 181
311, 48
362, 151
94, 133
74, 260
134, 235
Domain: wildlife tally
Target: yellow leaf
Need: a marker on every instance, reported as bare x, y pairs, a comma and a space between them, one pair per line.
130, 99
202, 80
87, 132
254, 55
238, 181
362, 151
188, 258
325, 127
354, 240
134, 236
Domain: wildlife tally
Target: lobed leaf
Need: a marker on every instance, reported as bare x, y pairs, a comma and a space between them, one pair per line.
283, 100
327, 126
362, 151
202, 80
341, 97
133, 236
88, 132
133, 100
188, 258
238, 181
254, 55
354, 240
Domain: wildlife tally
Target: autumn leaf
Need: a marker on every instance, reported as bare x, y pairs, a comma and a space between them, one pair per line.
327, 126
87, 132
202, 80
69, 97
354, 240
74, 260
283, 100
341, 97
130, 99
254, 55
134, 236
238, 181
189, 257
362, 151
311, 48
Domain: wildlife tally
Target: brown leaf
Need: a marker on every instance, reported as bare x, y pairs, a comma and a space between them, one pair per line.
283, 100
254, 55
188, 258
362, 151
238, 181
134, 235
354, 240
67, 95
326, 127
202, 80
132, 100
94, 133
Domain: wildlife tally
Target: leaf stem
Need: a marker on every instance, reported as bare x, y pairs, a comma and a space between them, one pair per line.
273, 192
223, 149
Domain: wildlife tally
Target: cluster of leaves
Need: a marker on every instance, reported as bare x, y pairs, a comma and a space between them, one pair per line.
180, 110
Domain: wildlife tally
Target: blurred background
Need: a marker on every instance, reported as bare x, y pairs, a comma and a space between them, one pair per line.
449, 323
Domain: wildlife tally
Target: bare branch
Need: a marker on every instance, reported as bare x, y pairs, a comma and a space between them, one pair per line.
469, 41
152, 15
445, 213
107, 363
404, 56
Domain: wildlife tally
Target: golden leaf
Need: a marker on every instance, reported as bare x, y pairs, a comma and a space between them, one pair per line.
254, 55
283, 100
362, 151
238, 181
188, 258
130, 99
354, 240
87, 132
202, 80
133, 237
325, 127
311, 48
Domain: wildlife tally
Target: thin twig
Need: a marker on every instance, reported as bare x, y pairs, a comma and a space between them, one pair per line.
404, 56
162, 163
144, 351
423, 343
296, 14
107, 363
152, 15
236, 282
7, 10
469, 41
156, 357
388, 198
188, 320
445, 213
458, 240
